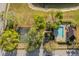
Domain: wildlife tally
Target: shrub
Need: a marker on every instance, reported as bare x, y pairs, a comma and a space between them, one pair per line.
11, 22
39, 22
50, 46
59, 15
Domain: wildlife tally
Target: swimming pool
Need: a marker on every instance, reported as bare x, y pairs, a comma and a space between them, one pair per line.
60, 31
60, 34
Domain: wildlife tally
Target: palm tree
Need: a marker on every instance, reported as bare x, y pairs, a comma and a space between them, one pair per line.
9, 40
34, 39
36, 33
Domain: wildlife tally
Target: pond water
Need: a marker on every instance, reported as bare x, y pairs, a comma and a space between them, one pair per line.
56, 5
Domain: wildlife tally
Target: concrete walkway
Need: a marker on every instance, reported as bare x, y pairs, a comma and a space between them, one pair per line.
2, 23
2, 7
52, 9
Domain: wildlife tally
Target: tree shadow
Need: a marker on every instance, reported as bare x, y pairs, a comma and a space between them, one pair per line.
33, 53
47, 53
13, 53
73, 52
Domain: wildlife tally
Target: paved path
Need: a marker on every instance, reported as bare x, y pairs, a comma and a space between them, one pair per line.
21, 52
1, 25
2, 9
41, 50
52, 9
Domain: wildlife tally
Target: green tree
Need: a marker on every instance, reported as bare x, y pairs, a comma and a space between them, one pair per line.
50, 46
49, 25
57, 20
36, 33
9, 40
39, 22
59, 15
11, 23
34, 38
55, 25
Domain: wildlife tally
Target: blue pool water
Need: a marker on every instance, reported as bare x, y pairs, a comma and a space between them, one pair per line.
61, 31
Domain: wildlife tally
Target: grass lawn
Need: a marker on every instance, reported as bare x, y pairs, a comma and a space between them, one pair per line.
24, 14
74, 15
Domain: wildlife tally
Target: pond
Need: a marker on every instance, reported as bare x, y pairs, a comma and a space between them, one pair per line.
56, 5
